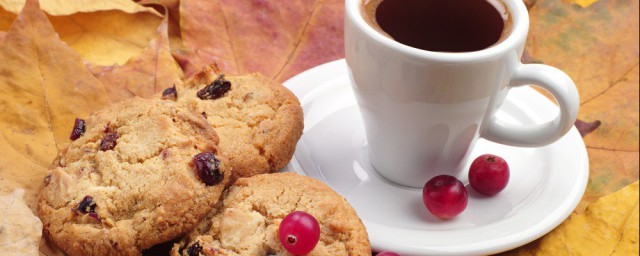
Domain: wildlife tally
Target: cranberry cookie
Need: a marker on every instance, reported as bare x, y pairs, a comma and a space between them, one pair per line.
258, 120
247, 222
136, 174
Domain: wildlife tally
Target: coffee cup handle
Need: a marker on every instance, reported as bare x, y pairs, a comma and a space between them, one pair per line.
556, 82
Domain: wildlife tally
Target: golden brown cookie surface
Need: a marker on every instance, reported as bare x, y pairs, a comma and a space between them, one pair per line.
247, 221
258, 120
129, 181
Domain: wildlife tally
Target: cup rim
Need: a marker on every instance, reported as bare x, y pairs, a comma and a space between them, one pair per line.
520, 27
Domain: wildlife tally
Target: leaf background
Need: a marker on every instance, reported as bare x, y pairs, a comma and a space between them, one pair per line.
117, 50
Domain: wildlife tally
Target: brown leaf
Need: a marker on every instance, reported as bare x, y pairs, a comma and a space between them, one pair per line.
20, 230
270, 37
585, 128
529, 3
44, 86
598, 47
144, 75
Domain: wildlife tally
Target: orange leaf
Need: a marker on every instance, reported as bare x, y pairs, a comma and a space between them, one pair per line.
270, 37
44, 86
144, 75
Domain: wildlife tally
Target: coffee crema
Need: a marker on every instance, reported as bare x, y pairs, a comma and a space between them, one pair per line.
440, 25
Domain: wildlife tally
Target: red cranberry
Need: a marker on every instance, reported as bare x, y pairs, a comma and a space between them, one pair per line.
194, 250
445, 196
78, 129
87, 205
299, 232
170, 93
109, 141
489, 174
215, 89
208, 168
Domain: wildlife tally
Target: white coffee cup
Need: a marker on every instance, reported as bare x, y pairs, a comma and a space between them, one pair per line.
423, 111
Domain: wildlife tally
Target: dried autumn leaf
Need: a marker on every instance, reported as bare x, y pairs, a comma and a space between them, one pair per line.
609, 226
144, 75
20, 230
275, 38
171, 8
107, 37
598, 47
63, 7
44, 86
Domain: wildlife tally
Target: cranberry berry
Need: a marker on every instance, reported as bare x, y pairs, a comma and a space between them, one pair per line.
109, 141
299, 232
489, 174
215, 89
78, 129
87, 206
194, 250
445, 196
170, 93
208, 168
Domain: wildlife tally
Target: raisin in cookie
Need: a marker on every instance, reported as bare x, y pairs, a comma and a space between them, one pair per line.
138, 173
247, 222
258, 120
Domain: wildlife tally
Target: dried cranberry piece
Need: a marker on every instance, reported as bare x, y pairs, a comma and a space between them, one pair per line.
94, 215
208, 168
107, 128
194, 250
215, 89
78, 129
109, 141
170, 93
87, 205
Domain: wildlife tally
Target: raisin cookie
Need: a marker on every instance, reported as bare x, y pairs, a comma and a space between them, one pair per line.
258, 120
247, 221
136, 174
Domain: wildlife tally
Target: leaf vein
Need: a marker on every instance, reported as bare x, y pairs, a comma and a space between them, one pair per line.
296, 44
233, 47
626, 221
611, 85
613, 149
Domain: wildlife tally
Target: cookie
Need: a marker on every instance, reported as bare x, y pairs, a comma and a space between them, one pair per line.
247, 221
258, 120
129, 181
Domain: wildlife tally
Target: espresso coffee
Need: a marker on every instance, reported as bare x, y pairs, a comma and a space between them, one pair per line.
440, 25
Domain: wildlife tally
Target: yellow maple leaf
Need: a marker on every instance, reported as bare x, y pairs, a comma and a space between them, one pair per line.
609, 226
103, 32
65, 7
44, 85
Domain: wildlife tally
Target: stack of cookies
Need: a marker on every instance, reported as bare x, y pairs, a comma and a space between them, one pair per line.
197, 165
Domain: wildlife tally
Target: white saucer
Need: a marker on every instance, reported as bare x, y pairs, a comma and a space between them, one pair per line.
546, 183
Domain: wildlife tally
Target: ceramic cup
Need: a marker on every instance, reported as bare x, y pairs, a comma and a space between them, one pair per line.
423, 111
